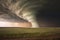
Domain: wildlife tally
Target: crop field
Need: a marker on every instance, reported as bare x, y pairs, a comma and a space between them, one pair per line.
29, 33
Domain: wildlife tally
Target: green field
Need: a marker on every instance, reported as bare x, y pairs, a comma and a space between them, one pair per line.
29, 30
30, 33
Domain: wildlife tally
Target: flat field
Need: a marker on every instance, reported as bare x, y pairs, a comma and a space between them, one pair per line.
17, 33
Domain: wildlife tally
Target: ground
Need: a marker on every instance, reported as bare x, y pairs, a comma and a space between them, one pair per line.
29, 33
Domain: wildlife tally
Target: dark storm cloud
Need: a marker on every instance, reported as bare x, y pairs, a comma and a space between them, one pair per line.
45, 10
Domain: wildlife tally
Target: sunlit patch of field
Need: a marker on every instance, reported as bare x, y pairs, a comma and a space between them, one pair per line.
17, 30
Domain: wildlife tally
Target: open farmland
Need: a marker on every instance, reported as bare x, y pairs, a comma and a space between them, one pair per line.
29, 33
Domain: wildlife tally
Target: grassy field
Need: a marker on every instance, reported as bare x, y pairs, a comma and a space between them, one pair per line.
20, 33
28, 30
